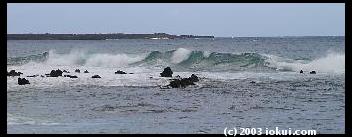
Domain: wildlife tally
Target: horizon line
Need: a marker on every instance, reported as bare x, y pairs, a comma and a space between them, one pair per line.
193, 34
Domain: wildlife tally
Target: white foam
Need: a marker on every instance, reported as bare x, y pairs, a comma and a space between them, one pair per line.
206, 54
331, 63
180, 55
21, 120
246, 75
141, 76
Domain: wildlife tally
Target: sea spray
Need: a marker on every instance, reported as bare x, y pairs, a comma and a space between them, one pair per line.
108, 60
331, 63
75, 57
179, 55
83, 58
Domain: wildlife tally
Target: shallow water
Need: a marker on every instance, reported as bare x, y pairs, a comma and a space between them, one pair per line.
134, 103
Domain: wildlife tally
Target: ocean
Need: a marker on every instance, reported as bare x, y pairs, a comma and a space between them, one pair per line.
245, 82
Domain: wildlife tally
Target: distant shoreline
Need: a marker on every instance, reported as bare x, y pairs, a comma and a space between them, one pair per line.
117, 36
112, 36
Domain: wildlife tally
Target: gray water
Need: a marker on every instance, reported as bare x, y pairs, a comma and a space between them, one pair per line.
225, 96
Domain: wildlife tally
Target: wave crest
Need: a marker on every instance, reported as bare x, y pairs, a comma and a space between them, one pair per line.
187, 59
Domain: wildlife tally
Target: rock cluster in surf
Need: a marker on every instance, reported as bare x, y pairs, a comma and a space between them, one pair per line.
183, 82
177, 82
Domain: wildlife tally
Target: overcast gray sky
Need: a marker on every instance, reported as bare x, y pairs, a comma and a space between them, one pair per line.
197, 19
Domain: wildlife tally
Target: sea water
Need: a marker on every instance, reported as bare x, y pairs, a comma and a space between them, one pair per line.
249, 82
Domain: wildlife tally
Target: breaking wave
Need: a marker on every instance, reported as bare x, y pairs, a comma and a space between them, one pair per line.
189, 60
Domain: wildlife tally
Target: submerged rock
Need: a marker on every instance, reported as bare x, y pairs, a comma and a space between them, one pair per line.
22, 81
14, 73
312, 72
120, 72
77, 70
55, 73
167, 72
86, 71
96, 76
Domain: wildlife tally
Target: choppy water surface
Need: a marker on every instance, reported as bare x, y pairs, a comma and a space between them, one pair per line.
244, 82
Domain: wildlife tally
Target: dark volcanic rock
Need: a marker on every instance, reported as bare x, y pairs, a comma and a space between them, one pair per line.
312, 72
14, 73
77, 70
120, 72
66, 71
86, 71
177, 83
96, 76
70, 76
183, 82
55, 73
33, 76
167, 72
22, 81
73, 76
301, 71
194, 78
